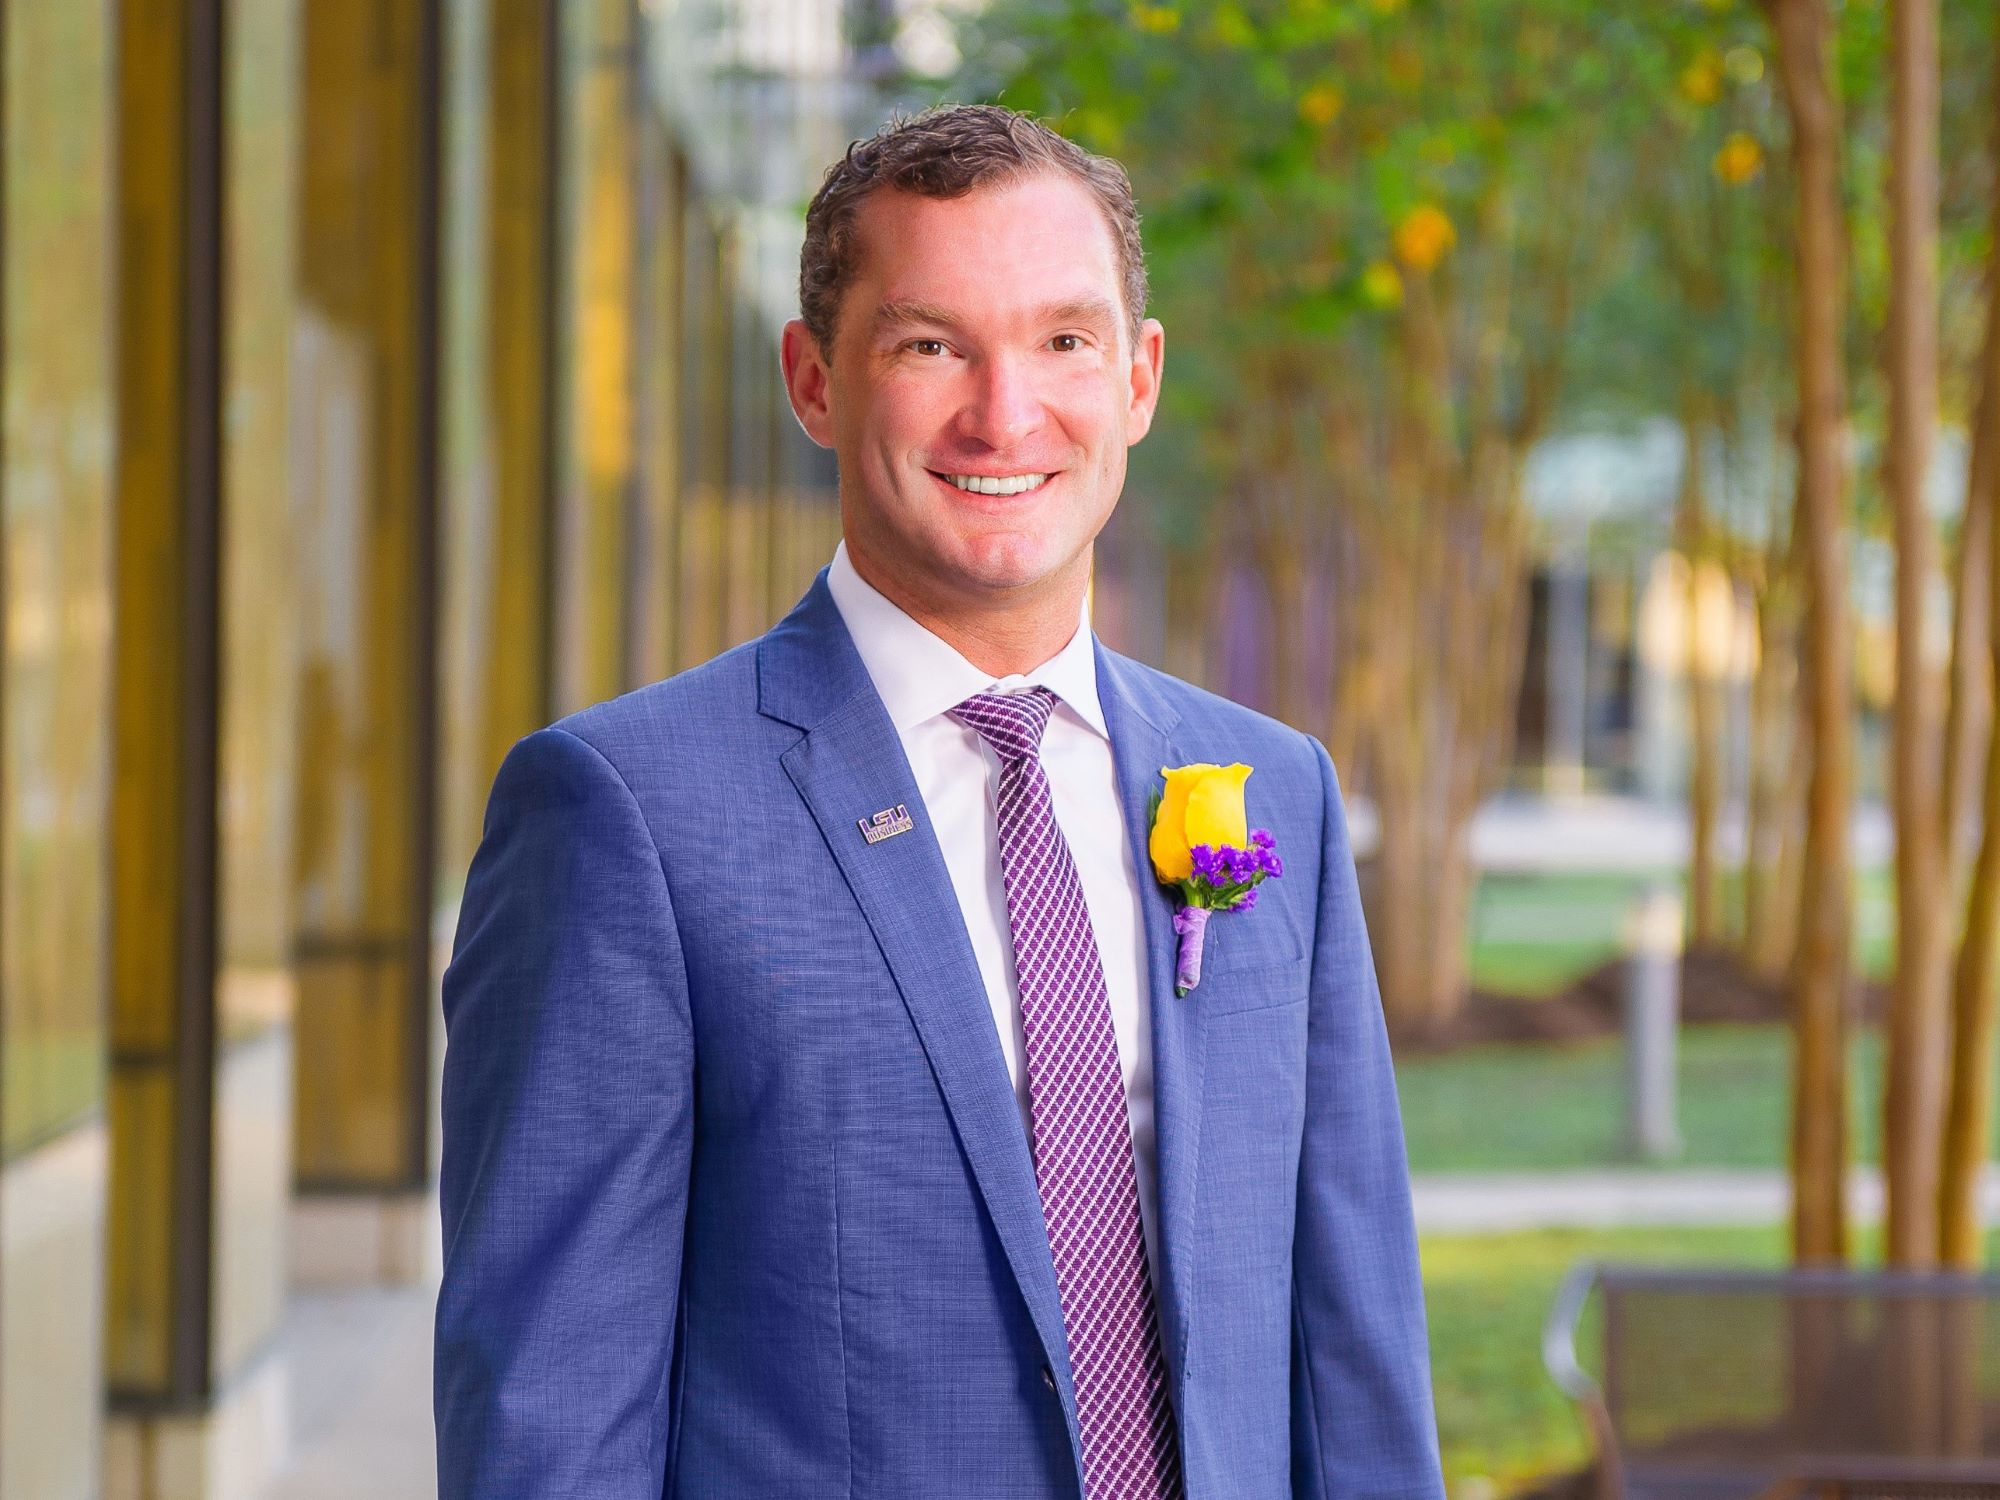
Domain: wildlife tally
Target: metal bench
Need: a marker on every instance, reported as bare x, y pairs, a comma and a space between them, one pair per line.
1784, 1385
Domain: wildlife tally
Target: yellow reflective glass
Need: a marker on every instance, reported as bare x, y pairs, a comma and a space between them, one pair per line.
56, 491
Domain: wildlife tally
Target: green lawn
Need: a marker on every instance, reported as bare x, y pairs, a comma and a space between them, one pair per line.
1532, 934
1532, 1105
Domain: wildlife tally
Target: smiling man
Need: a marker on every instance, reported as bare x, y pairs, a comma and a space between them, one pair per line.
827, 1106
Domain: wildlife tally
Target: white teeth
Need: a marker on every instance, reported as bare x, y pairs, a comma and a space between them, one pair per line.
983, 484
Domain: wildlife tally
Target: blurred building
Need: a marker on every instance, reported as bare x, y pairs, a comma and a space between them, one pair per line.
382, 379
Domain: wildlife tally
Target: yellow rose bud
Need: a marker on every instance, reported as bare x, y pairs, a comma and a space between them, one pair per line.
1203, 804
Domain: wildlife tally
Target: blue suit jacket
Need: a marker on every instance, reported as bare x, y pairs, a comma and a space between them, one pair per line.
737, 1199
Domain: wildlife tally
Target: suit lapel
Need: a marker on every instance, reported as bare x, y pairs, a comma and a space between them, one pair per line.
1140, 721
849, 766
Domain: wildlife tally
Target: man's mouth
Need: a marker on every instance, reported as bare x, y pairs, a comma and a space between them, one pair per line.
995, 484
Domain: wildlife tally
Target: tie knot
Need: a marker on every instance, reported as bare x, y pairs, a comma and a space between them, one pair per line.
1012, 723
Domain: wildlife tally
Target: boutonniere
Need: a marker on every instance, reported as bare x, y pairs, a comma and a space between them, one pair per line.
1201, 845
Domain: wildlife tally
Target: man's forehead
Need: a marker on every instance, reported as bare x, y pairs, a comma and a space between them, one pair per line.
1016, 254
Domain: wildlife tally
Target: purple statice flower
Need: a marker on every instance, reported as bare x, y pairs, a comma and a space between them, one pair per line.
1222, 877
1226, 875
1264, 854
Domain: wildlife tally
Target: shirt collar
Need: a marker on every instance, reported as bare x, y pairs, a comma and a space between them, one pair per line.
919, 676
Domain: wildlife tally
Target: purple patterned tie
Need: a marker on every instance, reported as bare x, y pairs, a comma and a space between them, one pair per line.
1082, 1136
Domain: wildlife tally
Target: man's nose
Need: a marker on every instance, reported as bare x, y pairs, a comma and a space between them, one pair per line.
1004, 405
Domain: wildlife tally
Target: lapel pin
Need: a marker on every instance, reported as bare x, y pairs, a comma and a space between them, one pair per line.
886, 824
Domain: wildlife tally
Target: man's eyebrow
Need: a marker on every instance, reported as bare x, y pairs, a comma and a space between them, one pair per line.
900, 313
1080, 310
903, 312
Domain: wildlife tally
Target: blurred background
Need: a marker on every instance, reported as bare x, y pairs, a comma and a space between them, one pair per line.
1584, 417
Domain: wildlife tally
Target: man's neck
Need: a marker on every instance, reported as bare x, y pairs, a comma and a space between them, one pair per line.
1004, 640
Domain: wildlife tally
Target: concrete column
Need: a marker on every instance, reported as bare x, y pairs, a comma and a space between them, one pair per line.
1652, 1024
1567, 667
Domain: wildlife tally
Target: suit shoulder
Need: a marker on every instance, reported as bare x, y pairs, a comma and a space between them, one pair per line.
720, 692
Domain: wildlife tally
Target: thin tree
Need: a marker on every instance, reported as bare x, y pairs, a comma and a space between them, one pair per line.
1968, 1125
1820, 978
1915, 1068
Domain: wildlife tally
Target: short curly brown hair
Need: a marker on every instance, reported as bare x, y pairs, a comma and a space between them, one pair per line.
946, 152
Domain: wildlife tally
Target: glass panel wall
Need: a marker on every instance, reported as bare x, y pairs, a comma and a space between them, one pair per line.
205, 705
598, 490
58, 397
364, 455
256, 806
498, 302
56, 377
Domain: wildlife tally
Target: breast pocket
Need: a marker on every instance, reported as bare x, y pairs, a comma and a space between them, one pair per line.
1252, 979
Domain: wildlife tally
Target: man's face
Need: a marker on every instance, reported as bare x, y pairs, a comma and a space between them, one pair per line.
983, 346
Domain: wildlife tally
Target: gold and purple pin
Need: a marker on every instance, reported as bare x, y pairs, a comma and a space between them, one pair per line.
886, 824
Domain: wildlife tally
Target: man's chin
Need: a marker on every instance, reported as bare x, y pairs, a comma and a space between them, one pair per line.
1011, 565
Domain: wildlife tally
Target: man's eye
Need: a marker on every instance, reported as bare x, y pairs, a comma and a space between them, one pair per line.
926, 346
1074, 341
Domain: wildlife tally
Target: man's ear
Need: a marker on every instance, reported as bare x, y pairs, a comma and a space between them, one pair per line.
808, 381
1148, 360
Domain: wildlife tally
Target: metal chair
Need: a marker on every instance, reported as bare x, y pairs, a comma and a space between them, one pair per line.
1785, 1385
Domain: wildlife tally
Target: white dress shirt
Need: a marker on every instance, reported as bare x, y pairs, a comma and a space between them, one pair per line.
919, 678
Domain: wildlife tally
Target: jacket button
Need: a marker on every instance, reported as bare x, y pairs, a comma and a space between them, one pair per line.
1048, 1377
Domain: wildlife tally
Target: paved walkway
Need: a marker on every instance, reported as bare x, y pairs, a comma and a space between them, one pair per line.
1488, 1203
1608, 833
360, 1371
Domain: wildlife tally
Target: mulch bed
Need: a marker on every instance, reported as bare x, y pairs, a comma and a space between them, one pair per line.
1715, 987
1580, 1485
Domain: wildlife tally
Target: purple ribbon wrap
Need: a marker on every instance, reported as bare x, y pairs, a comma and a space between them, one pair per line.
1191, 922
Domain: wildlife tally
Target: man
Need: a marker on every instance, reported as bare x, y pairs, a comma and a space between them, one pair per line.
820, 1117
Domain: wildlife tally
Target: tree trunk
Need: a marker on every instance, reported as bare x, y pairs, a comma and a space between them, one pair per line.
1968, 1125
1820, 975
1769, 815
1914, 1070
1969, 1113
1969, 698
1767, 805
1777, 736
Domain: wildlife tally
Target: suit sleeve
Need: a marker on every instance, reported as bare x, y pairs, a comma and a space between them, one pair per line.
1362, 1421
567, 1126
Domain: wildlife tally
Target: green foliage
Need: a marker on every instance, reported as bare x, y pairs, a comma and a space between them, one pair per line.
1614, 176
1277, 148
